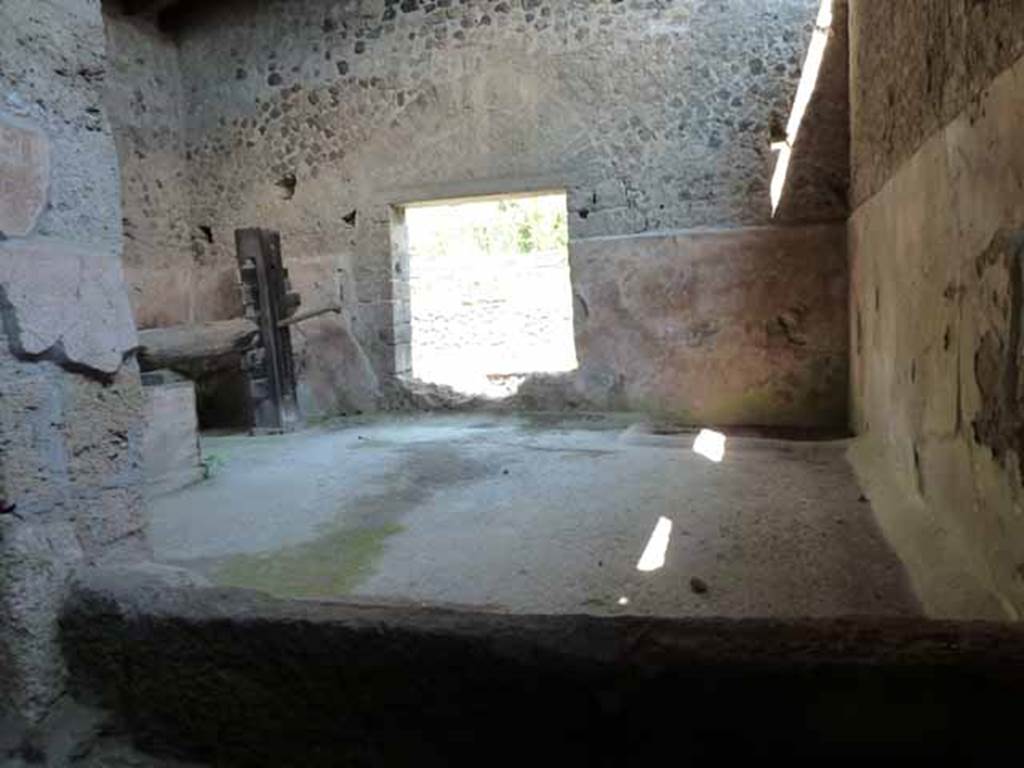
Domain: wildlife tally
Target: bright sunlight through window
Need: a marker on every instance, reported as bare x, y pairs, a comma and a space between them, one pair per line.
804, 91
490, 292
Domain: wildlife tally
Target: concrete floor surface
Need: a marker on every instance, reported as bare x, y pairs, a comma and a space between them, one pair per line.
536, 513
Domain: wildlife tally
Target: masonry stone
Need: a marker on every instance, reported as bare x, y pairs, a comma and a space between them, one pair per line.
67, 300
70, 396
649, 116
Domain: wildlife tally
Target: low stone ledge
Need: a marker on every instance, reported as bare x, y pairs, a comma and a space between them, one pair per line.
234, 677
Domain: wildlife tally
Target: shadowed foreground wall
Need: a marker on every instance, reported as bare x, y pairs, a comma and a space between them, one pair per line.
320, 119
936, 248
326, 684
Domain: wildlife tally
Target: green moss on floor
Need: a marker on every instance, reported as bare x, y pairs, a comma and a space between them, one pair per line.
331, 565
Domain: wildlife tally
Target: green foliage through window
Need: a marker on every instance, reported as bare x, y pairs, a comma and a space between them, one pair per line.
491, 227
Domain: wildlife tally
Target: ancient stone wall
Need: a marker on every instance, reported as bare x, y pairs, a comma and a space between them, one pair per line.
143, 97
70, 396
316, 118
914, 68
747, 326
937, 106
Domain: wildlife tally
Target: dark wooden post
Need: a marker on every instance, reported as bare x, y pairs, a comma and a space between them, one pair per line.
269, 367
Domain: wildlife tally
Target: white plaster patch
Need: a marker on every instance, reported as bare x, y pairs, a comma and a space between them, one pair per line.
68, 295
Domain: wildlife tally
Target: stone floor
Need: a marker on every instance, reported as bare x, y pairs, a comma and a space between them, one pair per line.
536, 514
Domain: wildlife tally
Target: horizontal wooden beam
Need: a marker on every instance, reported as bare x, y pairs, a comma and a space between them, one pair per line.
200, 346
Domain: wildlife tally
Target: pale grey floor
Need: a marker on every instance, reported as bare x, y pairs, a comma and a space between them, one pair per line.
538, 514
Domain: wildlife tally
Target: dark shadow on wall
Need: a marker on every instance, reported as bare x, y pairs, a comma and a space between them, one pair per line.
174, 16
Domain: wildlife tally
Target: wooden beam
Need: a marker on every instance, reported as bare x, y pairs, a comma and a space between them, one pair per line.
303, 316
203, 346
267, 297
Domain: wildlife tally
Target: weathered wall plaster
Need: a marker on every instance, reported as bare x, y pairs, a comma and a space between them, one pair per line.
935, 294
316, 118
143, 96
67, 302
70, 397
745, 326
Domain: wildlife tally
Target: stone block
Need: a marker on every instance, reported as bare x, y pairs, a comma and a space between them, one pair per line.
109, 525
103, 428
401, 334
402, 359
35, 564
343, 383
171, 440
67, 301
24, 177
33, 456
